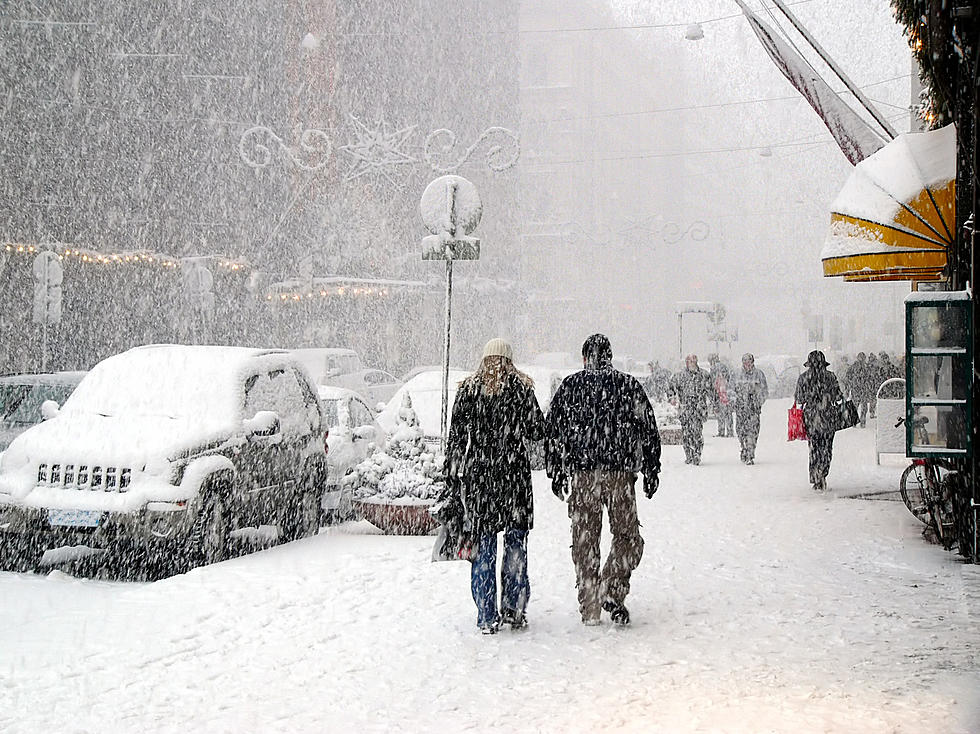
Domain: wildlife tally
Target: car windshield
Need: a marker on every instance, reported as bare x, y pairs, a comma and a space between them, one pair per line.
21, 404
331, 413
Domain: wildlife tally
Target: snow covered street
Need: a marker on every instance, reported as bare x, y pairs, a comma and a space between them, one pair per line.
758, 607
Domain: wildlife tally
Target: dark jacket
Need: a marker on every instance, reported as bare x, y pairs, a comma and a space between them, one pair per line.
694, 391
860, 381
488, 451
750, 389
818, 393
600, 418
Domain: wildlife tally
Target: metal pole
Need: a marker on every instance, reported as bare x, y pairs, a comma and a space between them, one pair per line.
443, 423
44, 343
865, 102
680, 335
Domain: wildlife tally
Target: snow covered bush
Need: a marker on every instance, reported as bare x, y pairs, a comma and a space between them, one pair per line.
405, 470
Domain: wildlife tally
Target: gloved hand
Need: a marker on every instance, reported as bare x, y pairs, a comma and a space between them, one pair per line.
559, 485
650, 485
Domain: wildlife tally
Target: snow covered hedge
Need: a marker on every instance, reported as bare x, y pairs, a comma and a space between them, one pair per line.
405, 470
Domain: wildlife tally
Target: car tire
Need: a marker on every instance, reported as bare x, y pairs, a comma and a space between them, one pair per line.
303, 518
208, 539
20, 553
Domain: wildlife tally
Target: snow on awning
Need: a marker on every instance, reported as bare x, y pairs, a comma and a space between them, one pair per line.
895, 217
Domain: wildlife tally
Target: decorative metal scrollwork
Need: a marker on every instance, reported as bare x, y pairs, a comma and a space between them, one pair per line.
445, 143
312, 142
698, 231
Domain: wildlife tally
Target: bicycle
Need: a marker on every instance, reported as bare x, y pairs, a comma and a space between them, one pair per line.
928, 487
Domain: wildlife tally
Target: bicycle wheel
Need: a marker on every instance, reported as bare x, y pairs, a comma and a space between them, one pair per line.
914, 490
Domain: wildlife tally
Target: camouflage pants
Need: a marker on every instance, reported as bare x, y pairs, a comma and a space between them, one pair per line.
590, 492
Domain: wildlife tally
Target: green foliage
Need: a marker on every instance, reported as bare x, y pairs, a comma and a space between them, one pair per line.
928, 26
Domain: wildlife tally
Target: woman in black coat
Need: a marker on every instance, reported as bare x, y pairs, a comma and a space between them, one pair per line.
819, 395
495, 418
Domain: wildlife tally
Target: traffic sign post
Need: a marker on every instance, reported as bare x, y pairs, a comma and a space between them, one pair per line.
451, 210
198, 284
48, 277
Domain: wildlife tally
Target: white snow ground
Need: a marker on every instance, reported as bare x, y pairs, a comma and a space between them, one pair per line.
758, 607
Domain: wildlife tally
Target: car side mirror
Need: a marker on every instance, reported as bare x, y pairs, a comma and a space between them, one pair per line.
263, 423
49, 409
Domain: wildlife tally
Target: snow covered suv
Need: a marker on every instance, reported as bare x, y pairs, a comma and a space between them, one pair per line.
167, 449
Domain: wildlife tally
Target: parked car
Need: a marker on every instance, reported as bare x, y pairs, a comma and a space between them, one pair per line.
354, 434
373, 385
168, 449
326, 363
21, 398
425, 391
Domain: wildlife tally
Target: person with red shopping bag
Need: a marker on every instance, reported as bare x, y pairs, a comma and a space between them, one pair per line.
818, 394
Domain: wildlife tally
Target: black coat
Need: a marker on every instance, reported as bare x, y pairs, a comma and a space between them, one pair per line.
694, 391
600, 418
489, 452
818, 393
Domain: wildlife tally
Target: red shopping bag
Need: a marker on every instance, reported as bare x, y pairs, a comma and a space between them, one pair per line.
796, 431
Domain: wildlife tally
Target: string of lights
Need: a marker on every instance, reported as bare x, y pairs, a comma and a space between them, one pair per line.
86, 256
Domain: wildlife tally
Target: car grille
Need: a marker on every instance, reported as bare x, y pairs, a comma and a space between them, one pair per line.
84, 477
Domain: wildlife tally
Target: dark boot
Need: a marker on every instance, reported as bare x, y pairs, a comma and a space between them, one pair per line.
618, 611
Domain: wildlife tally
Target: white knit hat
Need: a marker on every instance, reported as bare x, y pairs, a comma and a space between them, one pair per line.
498, 348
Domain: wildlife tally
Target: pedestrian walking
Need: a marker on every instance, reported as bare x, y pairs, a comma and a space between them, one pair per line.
691, 391
601, 431
750, 392
495, 418
857, 381
819, 395
721, 397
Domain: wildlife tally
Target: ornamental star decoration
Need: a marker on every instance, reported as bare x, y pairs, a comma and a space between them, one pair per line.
377, 149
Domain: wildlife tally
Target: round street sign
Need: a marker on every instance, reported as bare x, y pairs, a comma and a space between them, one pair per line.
450, 204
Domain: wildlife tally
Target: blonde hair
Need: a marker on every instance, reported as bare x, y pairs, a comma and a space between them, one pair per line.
492, 373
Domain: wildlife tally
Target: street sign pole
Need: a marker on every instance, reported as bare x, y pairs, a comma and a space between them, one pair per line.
451, 210
48, 277
444, 418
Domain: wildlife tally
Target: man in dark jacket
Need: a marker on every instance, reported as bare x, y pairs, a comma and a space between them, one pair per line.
858, 381
601, 430
819, 395
691, 391
750, 392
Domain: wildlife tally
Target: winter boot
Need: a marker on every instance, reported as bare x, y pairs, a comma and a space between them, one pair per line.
516, 620
490, 628
618, 611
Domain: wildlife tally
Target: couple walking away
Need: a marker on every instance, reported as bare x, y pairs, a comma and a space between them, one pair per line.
600, 431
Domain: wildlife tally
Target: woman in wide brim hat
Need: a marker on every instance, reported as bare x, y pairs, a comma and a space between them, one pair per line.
818, 394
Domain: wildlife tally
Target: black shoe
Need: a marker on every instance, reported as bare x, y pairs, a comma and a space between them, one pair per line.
489, 629
696, 461
619, 613
516, 620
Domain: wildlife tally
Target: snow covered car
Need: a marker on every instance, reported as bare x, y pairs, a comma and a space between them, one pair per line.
168, 449
373, 385
354, 434
21, 398
425, 391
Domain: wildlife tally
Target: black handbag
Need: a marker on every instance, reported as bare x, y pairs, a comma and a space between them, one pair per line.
848, 415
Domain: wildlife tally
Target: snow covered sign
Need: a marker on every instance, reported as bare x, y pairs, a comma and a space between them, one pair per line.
451, 210
48, 276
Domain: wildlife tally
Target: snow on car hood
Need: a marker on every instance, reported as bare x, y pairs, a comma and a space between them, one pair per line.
86, 438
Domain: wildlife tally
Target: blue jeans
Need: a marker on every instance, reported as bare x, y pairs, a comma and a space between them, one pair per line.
515, 588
